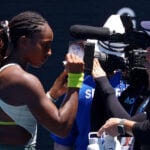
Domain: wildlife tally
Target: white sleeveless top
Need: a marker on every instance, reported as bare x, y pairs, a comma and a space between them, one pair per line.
21, 115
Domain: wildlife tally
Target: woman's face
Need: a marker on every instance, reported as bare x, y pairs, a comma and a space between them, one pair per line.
38, 47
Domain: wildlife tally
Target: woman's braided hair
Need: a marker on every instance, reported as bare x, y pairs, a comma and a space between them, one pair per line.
25, 24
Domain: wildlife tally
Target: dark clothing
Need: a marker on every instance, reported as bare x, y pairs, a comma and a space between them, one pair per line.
104, 99
105, 105
142, 132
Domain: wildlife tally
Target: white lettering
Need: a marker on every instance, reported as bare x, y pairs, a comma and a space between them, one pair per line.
129, 100
89, 93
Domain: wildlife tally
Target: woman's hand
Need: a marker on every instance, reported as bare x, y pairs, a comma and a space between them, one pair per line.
110, 127
97, 69
74, 64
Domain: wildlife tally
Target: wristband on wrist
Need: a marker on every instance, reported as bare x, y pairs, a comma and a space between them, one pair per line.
75, 80
122, 121
50, 97
121, 128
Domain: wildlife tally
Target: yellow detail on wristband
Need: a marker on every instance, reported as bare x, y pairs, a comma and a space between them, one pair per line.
75, 80
7, 123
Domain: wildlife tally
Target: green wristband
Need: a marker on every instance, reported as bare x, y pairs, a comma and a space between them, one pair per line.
75, 80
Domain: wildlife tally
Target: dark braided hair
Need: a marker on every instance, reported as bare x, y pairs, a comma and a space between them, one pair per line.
25, 24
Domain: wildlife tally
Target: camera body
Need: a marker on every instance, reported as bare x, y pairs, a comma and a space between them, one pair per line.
132, 59
136, 58
127, 60
110, 62
123, 49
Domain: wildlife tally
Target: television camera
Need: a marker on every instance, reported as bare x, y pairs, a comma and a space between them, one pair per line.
122, 49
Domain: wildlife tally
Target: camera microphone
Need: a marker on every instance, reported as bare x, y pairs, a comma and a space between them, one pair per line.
90, 32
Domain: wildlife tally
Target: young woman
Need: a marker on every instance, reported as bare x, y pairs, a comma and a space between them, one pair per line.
23, 100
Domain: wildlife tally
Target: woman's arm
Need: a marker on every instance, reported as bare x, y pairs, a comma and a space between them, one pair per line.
105, 103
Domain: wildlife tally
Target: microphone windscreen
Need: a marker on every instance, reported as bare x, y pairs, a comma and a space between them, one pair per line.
89, 32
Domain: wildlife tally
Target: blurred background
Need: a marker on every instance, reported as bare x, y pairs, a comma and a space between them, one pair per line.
61, 14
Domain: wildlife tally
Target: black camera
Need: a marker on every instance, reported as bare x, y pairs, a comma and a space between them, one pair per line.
132, 59
136, 58
117, 36
110, 62
132, 44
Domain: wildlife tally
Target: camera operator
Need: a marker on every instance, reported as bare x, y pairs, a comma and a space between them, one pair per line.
109, 106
